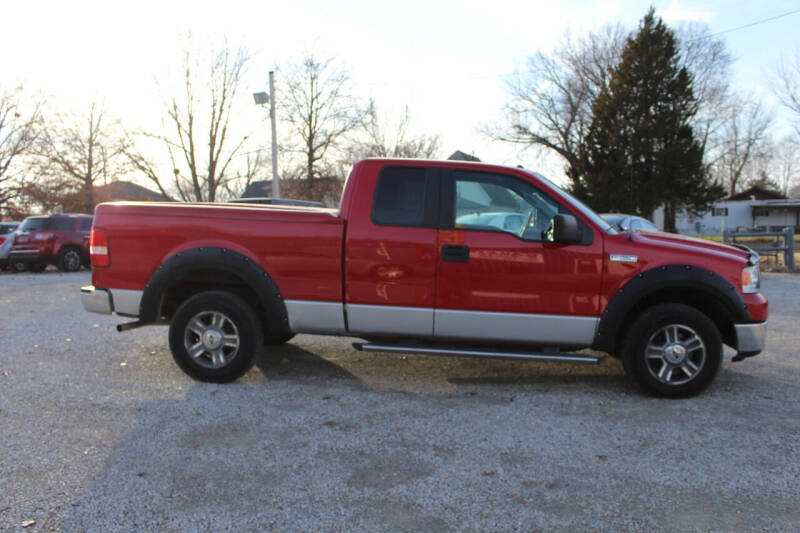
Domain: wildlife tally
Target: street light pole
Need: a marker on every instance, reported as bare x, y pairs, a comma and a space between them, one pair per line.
276, 188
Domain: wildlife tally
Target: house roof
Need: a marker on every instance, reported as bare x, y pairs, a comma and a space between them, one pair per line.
126, 190
458, 155
755, 193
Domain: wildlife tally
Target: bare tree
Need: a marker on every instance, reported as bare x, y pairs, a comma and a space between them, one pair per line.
78, 152
549, 104
785, 162
743, 143
19, 131
320, 108
787, 87
204, 153
381, 136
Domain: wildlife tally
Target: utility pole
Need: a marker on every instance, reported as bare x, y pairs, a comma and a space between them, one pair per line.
276, 188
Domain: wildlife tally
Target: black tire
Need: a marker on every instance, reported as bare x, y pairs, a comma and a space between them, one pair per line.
69, 259
241, 322
18, 266
274, 340
685, 351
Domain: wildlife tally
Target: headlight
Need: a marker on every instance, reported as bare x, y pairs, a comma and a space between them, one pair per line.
751, 279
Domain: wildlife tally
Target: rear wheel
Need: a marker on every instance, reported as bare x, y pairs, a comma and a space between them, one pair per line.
672, 350
214, 336
18, 266
69, 260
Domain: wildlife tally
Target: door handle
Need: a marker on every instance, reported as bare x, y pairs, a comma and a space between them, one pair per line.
452, 253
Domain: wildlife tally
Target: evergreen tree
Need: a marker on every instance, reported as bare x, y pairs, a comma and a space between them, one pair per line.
640, 151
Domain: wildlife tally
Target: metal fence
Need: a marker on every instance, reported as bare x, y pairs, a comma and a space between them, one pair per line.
782, 243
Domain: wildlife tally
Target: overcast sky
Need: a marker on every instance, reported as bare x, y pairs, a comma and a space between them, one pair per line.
445, 60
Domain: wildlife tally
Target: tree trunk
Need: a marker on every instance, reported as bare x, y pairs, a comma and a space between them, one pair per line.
669, 218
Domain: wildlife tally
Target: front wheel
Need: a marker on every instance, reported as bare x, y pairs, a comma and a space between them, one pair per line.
672, 350
214, 336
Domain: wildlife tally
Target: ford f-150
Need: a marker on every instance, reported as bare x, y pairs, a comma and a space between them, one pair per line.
430, 257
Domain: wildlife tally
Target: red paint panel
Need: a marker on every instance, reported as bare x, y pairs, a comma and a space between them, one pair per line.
300, 249
507, 274
659, 249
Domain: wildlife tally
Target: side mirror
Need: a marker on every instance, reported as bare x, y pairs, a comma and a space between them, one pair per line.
625, 224
566, 229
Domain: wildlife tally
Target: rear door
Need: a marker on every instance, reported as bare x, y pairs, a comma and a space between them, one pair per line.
391, 251
500, 276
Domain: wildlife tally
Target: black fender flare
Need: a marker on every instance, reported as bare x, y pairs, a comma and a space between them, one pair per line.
215, 258
669, 277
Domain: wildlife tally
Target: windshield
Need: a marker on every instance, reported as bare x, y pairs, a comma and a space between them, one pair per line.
583, 208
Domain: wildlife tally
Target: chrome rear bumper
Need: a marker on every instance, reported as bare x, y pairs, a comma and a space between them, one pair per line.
96, 300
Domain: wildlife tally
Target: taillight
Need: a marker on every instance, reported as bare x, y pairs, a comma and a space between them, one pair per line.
98, 248
2, 239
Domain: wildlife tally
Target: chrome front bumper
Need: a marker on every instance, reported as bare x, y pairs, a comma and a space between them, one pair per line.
751, 338
96, 300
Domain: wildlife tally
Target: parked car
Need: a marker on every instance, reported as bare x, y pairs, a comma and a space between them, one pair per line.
625, 222
394, 265
6, 239
61, 240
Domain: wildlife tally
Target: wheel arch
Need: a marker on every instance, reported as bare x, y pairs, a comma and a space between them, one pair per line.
196, 270
698, 287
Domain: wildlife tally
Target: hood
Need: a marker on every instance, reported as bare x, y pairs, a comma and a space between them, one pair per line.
690, 244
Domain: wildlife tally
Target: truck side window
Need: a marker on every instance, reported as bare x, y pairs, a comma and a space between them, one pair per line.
86, 224
493, 202
400, 197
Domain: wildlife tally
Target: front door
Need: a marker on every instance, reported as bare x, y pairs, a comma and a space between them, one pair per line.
500, 276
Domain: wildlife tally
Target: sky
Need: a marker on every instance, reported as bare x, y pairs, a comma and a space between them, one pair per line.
446, 61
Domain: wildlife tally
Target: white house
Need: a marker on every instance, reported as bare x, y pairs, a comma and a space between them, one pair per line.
753, 208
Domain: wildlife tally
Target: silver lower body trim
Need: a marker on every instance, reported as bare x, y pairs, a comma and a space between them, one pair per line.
751, 337
389, 320
96, 300
315, 317
126, 302
551, 330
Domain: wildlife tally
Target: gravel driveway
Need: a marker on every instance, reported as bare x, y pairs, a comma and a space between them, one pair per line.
101, 431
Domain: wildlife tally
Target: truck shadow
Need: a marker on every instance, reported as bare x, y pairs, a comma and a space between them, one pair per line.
416, 373
291, 362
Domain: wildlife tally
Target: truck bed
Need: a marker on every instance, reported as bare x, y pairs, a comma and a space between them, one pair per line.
301, 247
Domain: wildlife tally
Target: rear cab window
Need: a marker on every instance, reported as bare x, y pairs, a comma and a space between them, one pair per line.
406, 196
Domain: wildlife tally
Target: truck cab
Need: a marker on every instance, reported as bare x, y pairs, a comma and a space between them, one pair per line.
436, 257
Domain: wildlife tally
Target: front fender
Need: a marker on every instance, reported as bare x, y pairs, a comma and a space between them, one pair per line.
665, 278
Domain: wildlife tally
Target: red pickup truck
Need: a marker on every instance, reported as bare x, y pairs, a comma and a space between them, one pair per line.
430, 257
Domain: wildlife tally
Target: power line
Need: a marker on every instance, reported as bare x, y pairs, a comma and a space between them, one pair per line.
751, 24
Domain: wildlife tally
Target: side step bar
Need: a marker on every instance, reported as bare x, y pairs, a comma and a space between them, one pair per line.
471, 352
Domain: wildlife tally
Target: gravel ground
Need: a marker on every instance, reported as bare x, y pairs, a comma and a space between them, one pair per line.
101, 431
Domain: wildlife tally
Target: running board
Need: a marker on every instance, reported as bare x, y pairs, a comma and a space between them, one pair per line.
461, 352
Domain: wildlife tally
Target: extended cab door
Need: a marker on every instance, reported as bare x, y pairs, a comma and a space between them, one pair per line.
500, 276
391, 250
